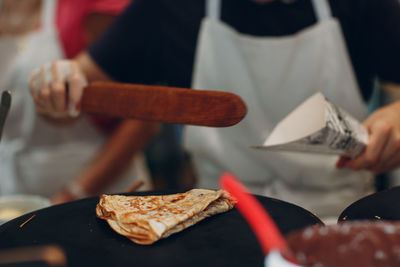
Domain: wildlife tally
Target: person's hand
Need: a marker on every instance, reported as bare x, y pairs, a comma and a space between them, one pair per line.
72, 191
57, 88
382, 153
62, 197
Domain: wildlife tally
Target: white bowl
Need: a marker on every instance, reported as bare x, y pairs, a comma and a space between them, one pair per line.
13, 206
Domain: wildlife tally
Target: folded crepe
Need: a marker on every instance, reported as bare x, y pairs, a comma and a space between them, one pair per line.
146, 219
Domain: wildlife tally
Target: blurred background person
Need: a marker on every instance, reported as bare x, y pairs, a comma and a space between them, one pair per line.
38, 155
274, 54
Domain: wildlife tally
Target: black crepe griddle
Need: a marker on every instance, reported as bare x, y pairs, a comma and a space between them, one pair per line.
383, 205
221, 240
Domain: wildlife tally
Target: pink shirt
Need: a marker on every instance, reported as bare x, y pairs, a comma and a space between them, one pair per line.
70, 18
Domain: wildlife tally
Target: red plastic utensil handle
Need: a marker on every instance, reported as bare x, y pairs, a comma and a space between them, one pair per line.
262, 224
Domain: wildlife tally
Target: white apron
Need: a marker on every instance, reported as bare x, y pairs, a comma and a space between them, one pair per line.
274, 75
35, 156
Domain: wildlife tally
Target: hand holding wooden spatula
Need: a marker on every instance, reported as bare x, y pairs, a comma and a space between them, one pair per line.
60, 89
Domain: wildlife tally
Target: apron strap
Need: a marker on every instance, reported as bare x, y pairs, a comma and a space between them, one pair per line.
48, 14
322, 9
213, 9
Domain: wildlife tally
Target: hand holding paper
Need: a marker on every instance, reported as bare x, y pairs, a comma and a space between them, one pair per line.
383, 151
318, 126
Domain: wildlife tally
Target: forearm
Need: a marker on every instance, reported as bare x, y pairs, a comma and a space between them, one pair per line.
90, 69
94, 26
130, 137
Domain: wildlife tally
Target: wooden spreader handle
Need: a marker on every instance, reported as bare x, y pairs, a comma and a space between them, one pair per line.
163, 104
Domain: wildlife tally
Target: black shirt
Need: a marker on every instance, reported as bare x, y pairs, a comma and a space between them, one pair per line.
154, 41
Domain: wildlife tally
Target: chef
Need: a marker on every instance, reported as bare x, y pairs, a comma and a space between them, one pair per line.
37, 156
30, 160
274, 54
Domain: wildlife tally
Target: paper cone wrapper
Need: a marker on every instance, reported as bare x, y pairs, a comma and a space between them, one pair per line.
318, 126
